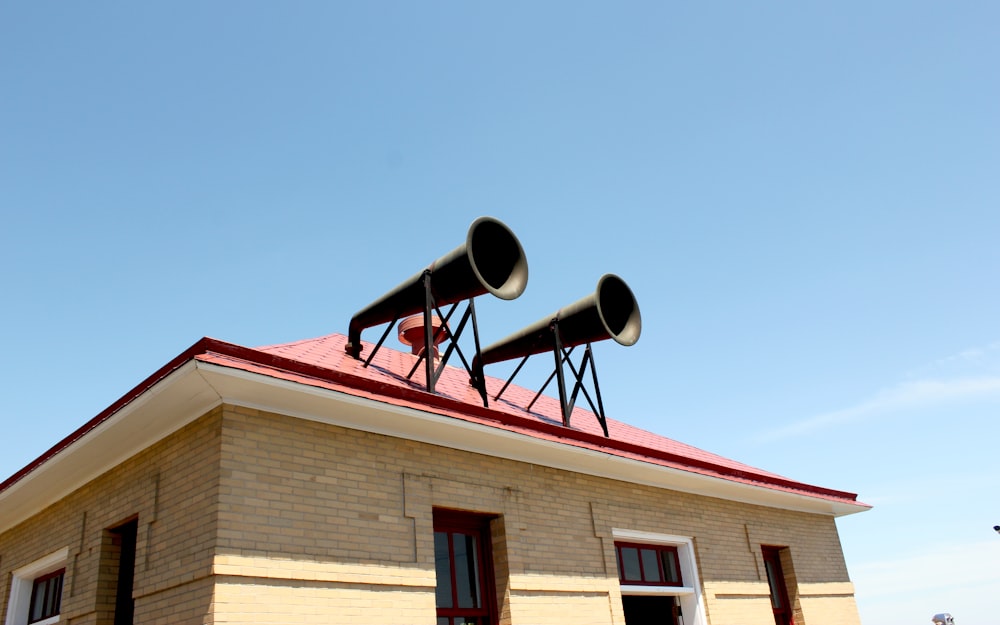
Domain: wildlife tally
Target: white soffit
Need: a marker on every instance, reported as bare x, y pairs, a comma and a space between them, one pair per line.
172, 403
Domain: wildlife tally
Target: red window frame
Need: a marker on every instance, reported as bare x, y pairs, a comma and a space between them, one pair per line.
666, 561
454, 532
49, 603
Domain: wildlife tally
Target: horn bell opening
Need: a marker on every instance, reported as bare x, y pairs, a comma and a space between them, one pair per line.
497, 258
618, 310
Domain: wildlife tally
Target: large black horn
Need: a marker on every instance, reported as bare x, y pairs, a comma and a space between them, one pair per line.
611, 312
490, 261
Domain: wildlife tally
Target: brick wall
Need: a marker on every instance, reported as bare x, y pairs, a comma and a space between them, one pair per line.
251, 517
350, 513
171, 488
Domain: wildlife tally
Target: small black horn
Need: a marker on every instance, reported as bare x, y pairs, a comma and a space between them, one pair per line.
611, 312
490, 261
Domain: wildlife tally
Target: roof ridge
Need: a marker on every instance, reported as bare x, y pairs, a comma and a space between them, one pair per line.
298, 342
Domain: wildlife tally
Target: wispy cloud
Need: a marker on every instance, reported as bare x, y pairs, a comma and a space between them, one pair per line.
904, 396
971, 374
984, 357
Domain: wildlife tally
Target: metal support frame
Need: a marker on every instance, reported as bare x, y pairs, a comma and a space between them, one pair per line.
431, 338
567, 403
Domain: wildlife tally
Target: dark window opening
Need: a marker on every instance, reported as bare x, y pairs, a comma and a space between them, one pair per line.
650, 610
118, 574
46, 596
776, 583
464, 568
648, 565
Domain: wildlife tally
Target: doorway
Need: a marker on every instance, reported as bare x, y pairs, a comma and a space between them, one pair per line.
780, 605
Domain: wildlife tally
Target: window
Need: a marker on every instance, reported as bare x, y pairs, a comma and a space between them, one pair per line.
648, 565
462, 560
46, 596
659, 578
654, 566
36, 591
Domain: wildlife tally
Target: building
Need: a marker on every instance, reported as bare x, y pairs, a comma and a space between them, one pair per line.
295, 483
290, 484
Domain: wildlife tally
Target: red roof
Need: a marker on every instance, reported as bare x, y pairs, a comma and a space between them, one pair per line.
385, 380
391, 367
323, 362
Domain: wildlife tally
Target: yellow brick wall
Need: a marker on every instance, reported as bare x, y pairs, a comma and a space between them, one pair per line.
348, 514
172, 489
249, 517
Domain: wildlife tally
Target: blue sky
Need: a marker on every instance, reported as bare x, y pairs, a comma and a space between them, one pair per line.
803, 198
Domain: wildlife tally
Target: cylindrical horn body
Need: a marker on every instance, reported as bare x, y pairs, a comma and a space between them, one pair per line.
610, 312
490, 261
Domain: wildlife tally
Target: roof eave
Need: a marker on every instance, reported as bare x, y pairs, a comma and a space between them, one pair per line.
262, 392
184, 389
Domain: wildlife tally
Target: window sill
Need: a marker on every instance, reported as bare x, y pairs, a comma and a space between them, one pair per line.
663, 591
